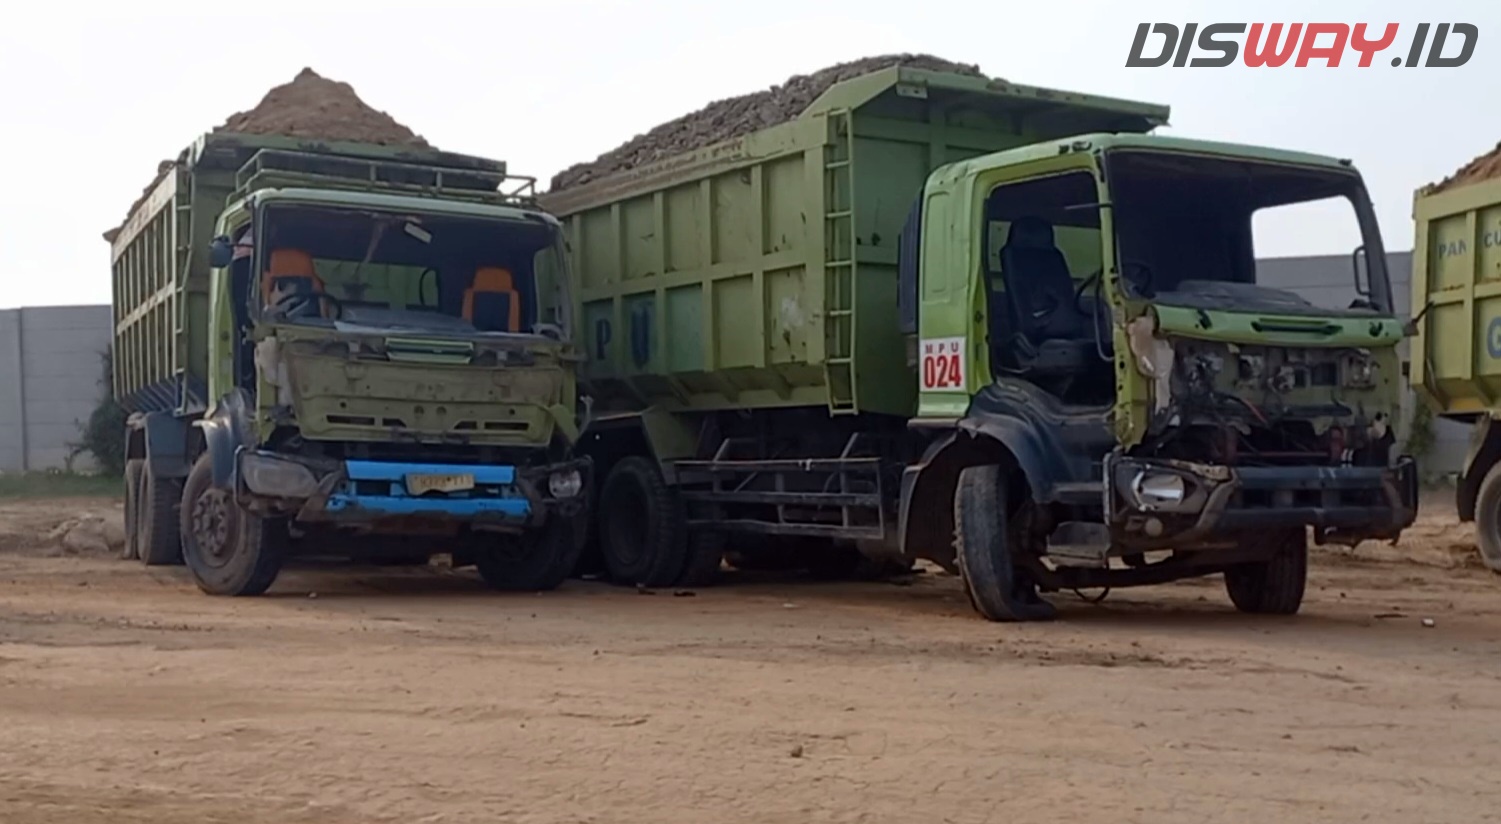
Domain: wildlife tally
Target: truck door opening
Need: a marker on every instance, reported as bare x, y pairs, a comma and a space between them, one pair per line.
1048, 320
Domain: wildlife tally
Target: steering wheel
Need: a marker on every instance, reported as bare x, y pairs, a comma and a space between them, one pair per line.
548, 330
295, 299
422, 293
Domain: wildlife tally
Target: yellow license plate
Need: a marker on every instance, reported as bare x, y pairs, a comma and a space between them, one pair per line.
423, 484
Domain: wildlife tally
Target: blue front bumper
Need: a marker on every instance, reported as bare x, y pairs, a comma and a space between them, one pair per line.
380, 489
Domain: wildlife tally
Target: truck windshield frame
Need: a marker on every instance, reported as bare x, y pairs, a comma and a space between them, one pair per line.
494, 275
1176, 211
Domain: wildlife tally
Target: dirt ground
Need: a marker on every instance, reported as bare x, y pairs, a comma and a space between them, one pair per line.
417, 696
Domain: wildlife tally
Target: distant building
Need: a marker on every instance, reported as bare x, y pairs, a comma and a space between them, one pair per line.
50, 371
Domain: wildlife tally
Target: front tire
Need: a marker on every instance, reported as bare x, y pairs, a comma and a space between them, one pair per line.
1488, 519
641, 530
1274, 586
986, 548
536, 561
228, 550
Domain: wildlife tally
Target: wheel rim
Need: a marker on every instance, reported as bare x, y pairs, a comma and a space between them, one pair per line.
626, 523
213, 526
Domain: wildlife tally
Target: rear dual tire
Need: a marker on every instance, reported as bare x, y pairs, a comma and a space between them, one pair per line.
643, 535
158, 520
135, 475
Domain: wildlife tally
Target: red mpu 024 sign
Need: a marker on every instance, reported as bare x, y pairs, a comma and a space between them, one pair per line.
942, 364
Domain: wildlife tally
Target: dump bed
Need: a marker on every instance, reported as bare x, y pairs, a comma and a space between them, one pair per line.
762, 271
159, 257
1456, 298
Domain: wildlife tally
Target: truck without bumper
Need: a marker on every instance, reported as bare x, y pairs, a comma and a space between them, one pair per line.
492, 497
1159, 504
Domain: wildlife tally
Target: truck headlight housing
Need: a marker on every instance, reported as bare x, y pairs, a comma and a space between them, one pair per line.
1152, 489
566, 484
277, 478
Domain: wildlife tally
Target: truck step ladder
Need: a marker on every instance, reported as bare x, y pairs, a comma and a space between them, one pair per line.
839, 263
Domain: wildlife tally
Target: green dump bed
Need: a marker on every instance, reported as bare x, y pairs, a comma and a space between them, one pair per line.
762, 271
1456, 288
159, 257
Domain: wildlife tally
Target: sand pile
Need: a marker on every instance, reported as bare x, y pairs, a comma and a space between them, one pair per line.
312, 107
1482, 168
727, 119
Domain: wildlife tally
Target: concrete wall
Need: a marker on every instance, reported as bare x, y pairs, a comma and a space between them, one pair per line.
1328, 280
50, 374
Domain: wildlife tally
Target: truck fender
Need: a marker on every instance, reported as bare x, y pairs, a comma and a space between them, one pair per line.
1021, 444
164, 443
224, 432
925, 514
653, 433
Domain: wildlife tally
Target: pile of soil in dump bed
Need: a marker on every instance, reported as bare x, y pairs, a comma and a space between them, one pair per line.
1482, 168
728, 119
312, 107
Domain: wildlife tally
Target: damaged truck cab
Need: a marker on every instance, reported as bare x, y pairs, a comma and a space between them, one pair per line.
997, 327
373, 359
1121, 402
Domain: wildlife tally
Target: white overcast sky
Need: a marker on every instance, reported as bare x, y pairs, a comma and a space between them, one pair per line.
93, 95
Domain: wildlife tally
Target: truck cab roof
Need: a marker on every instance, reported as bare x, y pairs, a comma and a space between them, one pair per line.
1115, 141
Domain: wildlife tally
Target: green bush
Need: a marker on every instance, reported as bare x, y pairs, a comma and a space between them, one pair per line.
1420, 435
103, 437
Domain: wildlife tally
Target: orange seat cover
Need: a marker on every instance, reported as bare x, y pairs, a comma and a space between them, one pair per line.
495, 281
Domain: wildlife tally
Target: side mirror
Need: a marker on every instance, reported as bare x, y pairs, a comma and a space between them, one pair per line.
1362, 287
221, 252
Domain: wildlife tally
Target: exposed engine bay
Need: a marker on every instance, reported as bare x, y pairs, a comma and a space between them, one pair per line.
1256, 405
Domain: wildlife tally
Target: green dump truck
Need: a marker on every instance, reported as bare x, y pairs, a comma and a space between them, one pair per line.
998, 327
1456, 288
345, 349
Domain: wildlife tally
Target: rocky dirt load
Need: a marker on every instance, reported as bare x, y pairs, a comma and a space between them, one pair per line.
728, 119
310, 106
1482, 168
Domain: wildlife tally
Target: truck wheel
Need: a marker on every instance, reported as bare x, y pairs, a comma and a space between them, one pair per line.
705, 557
641, 526
160, 543
1488, 519
228, 550
135, 470
1274, 586
535, 561
985, 547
